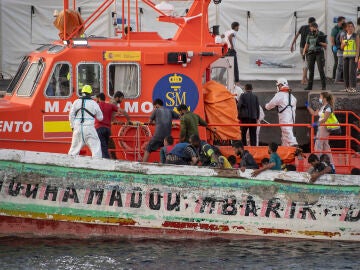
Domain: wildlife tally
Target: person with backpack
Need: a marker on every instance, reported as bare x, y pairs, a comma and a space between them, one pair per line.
314, 48
303, 32
327, 107
350, 45
285, 102
340, 66
334, 32
197, 152
82, 119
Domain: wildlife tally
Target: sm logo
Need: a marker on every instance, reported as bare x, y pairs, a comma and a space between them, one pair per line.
175, 89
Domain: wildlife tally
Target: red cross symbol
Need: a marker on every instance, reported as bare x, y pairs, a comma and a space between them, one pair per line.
258, 62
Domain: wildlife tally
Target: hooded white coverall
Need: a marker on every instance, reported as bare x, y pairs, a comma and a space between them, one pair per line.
85, 133
281, 100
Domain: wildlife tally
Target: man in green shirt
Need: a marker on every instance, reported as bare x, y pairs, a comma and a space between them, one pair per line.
314, 49
189, 123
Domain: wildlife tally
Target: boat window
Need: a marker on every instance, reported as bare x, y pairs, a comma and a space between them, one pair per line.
22, 67
91, 74
43, 48
59, 81
56, 48
124, 77
31, 79
220, 75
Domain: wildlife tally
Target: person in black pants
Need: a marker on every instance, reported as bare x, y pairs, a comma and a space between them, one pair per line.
314, 50
248, 113
230, 38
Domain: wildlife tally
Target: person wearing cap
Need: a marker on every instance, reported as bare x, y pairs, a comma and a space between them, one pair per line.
314, 48
285, 102
189, 123
82, 118
303, 32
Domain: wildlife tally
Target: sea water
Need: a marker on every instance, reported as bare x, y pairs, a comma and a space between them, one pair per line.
47, 254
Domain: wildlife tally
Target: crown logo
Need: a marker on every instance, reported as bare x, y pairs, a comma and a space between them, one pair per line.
175, 79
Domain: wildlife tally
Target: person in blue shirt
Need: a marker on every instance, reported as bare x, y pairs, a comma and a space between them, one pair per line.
274, 161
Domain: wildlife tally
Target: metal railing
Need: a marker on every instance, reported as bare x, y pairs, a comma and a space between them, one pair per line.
347, 153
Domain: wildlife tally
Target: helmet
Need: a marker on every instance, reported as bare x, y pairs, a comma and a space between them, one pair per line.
86, 89
282, 81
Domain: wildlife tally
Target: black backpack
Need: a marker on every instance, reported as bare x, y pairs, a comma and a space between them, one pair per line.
337, 40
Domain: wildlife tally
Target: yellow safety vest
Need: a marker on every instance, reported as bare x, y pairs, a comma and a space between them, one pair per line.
331, 120
350, 48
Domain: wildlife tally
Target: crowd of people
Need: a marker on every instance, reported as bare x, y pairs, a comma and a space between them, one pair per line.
91, 123
345, 46
91, 120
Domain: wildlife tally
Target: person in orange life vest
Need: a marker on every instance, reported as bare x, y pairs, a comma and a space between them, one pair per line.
82, 118
168, 146
285, 102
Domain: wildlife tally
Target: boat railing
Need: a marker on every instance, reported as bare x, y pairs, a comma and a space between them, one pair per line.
132, 145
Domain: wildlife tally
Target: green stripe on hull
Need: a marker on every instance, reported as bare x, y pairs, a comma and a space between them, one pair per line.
179, 181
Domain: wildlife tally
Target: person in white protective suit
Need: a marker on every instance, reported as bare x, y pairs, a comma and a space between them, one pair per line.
285, 102
82, 119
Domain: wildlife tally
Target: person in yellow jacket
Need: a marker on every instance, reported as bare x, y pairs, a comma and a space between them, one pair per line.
350, 44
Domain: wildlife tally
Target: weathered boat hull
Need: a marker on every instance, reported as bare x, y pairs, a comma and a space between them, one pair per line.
58, 196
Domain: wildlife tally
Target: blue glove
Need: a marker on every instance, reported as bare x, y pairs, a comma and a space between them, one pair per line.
306, 104
335, 49
315, 124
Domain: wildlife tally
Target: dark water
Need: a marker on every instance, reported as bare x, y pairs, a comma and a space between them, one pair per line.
151, 254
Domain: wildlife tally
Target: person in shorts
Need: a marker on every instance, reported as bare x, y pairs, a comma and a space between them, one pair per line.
162, 117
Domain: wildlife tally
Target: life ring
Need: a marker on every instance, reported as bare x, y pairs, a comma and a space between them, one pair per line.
134, 138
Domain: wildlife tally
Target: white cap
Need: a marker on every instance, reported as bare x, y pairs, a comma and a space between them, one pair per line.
282, 81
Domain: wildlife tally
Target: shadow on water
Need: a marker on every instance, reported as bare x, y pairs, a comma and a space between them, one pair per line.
16, 253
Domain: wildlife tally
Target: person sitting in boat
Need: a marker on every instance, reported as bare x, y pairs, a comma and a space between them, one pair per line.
317, 168
82, 119
232, 160
197, 152
181, 154
207, 154
189, 123
265, 161
274, 161
324, 158
165, 150
247, 160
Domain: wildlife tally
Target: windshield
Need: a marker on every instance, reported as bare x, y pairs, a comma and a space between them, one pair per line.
31, 79
22, 67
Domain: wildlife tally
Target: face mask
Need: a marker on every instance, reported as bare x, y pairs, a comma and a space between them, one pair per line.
320, 100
